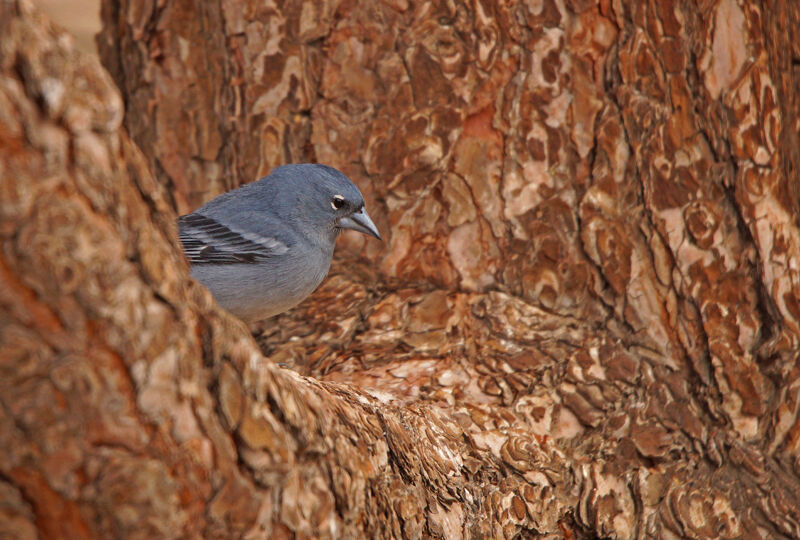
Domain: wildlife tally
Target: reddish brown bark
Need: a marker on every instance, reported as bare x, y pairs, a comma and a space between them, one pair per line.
583, 323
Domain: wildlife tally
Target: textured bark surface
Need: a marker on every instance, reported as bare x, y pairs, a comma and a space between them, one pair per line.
585, 319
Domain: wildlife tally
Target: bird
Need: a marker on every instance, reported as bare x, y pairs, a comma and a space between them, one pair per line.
264, 247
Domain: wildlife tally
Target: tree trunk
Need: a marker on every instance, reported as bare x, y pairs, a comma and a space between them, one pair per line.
584, 320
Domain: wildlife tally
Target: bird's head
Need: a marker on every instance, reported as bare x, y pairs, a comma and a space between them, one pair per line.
321, 200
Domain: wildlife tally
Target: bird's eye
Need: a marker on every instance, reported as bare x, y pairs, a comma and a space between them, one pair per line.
337, 202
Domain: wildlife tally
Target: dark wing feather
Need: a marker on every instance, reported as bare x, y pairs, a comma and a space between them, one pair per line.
207, 241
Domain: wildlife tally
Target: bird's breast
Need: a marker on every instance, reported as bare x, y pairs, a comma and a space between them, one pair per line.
260, 290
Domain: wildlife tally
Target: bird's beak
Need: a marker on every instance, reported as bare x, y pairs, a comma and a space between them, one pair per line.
361, 222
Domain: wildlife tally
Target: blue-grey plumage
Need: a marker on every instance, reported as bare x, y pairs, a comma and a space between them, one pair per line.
264, 247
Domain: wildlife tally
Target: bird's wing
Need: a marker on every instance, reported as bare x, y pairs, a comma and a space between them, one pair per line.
207, 241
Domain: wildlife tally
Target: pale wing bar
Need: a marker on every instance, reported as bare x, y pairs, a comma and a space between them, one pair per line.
207, 241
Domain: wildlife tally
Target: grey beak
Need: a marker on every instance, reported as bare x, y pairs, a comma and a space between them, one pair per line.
361, 222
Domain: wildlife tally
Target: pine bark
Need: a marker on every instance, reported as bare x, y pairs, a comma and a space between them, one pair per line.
584, 320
